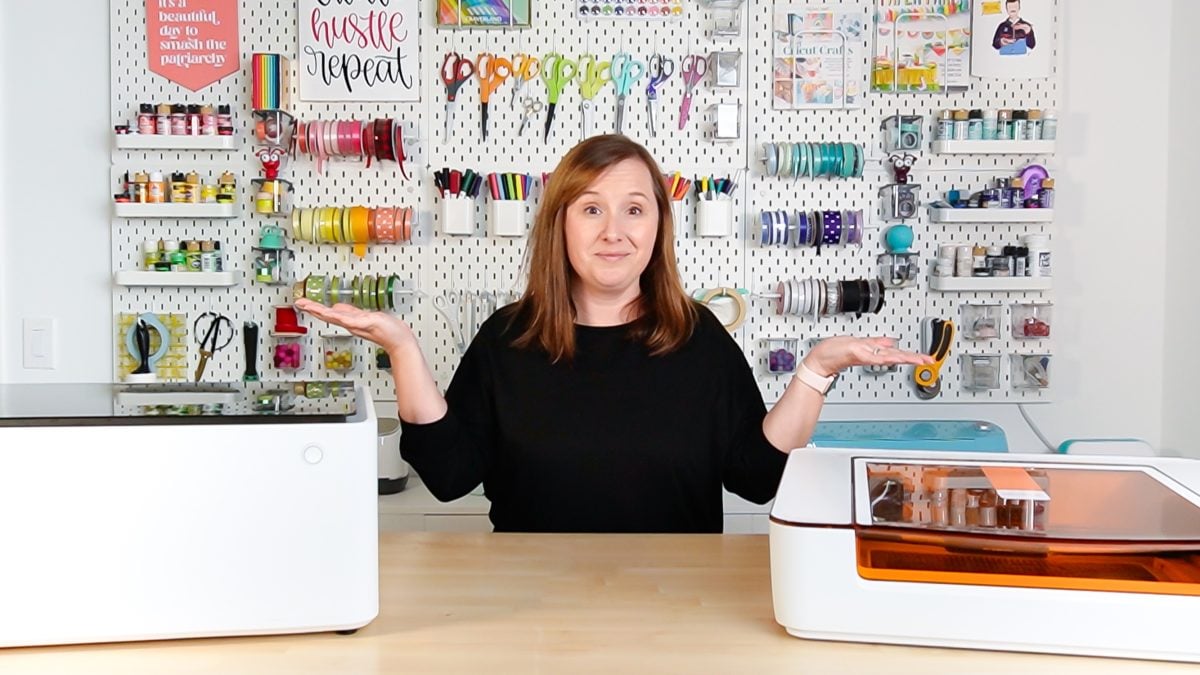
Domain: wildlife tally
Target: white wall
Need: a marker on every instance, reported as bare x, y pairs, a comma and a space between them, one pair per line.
1181, 377
1105, 387
54, 204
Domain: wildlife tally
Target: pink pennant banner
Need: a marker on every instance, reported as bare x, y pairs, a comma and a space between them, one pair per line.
193, 43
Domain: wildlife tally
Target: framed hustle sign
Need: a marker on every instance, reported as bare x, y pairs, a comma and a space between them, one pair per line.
193, 43
358, 50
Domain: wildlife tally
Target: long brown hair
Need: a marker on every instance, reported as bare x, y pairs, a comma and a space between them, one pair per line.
665, 315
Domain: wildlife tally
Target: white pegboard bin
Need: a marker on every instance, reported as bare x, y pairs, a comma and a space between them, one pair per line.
981, 215
994, 147
170, 210
169, 142
988, 284
148, 278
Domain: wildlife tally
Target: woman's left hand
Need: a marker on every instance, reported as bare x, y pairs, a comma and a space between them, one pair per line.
833, 355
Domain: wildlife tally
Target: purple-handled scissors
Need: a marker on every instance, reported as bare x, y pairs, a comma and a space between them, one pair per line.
694, 68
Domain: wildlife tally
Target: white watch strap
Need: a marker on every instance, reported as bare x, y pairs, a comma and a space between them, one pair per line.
818, 383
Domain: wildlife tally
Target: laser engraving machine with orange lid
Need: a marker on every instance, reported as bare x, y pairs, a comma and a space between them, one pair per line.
1066, 554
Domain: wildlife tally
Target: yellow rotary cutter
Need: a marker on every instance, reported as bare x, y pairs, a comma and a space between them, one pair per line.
928, 378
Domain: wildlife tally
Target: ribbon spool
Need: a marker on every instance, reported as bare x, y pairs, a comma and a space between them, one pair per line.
381, 139
164, 342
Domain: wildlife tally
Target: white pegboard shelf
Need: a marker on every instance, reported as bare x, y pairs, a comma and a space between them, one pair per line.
140, 210
993, 147
168, 142
951, 215
145, 278
985, 284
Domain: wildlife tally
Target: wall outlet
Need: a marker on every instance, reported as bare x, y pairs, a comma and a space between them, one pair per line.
38, 343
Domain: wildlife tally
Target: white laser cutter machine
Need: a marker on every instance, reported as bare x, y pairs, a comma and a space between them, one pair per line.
1062, 554
155, 512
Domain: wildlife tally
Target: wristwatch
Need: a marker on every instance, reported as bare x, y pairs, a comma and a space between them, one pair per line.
821, 385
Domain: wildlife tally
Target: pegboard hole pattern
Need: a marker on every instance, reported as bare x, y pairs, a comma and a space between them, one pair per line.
436, 263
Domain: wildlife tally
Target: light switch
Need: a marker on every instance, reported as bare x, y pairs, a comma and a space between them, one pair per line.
38, 343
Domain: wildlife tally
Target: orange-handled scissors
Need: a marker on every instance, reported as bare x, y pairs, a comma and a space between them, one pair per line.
525, 67
492, 71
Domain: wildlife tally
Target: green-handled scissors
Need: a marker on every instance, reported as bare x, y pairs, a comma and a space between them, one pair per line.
557, 73
592, 74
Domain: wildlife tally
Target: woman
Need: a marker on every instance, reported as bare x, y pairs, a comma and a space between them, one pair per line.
605, 400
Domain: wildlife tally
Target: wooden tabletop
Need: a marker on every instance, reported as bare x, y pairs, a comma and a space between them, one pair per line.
558, 604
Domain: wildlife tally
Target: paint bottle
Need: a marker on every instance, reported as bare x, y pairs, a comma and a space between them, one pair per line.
1046, 194
1016, 192
208, 120
140, 188
961, 125
1021, 263
1033, 127
1003, 125
179, 126
979, 262
192, 255
975, 125
171, 253
193, 182
156, 192
224, 120
150, 253
208, 257
945, 127
989, 124
162, 121
218, 256
1020, 120
180, 191
194, 121
1049, 125
145, 119
227, 190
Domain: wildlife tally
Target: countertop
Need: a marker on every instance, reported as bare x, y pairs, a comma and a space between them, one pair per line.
525, 603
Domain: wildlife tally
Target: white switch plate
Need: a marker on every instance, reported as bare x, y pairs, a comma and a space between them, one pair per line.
38, 343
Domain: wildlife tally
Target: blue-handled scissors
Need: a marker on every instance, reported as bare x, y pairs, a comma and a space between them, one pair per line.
625, 71
593, 75
557, 72
694, 68
455, 72
661, 68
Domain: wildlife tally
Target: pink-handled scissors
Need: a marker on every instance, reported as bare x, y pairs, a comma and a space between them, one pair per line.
694, 68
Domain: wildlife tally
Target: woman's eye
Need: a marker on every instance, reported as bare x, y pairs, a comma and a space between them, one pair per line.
635, 210
591, 210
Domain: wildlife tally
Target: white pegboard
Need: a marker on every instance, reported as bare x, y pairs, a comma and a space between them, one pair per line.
435, 263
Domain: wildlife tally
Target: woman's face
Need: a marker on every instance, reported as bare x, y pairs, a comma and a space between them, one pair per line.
611, 229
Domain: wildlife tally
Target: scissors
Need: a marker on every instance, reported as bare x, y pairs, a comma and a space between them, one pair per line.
557, 72
524, 68
694, 68
625, 71
455, 72
661, 68
448, 305
492, 71
211, 343
593, 75
532, 108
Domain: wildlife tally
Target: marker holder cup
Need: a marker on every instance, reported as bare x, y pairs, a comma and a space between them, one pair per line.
458, 215
677, 213
714, 218
507, 217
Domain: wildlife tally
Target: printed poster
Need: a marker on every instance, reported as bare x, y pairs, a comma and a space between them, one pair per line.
1015, 39
358, 50
192, 43
921, 45
818, 57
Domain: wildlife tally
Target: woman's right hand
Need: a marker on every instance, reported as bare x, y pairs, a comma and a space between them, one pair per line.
386, 330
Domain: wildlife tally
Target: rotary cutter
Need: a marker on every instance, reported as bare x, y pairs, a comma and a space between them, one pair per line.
928, 378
